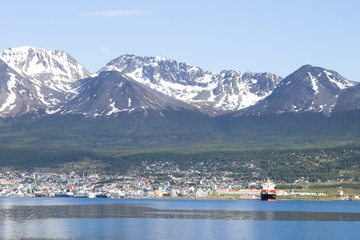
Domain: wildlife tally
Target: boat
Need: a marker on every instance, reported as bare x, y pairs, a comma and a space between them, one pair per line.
64, 195
268, 193
81, 195
91, 195
102, 195
40, 194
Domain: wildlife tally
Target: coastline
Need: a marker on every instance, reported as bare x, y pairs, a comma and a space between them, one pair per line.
279, 198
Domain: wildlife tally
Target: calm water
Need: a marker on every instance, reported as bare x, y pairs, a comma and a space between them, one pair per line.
58, 218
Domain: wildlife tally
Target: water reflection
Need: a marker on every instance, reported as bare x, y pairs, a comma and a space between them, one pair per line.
28, 213
141, 221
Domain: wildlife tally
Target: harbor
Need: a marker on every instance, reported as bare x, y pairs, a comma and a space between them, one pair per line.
103, 186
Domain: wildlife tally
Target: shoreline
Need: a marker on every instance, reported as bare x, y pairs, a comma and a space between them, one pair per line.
194, 198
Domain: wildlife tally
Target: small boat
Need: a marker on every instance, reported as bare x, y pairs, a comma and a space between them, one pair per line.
91, 195
64, 195
102, 195
268, 193
40, 194
81, 195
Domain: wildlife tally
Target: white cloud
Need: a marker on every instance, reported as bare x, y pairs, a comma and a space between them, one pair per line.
117, 13
106, 51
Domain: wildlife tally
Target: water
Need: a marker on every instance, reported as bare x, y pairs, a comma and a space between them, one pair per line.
59, 218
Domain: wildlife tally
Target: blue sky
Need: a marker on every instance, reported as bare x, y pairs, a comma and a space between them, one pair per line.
276, 36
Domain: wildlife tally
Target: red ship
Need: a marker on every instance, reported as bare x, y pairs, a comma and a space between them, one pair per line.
268, 193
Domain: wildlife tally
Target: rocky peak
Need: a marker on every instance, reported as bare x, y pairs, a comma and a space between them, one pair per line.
212, 92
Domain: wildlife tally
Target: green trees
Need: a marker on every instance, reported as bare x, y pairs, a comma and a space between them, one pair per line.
281, 165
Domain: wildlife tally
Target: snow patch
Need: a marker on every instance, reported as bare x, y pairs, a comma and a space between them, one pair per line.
341, 84
11, 98
314, 83
52, 111
116, 110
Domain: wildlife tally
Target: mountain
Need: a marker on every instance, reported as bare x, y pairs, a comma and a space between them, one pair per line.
43, 82
213, 93
309, 89
56, 69
16, 93
51, 76
50, 104
111, 92
349, 99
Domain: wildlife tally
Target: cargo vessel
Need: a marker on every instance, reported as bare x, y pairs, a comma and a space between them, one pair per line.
268, 193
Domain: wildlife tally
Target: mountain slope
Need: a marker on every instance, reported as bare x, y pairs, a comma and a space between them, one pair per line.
53, 74
111, 92
349, 99
309, 88
17, 93
212, 92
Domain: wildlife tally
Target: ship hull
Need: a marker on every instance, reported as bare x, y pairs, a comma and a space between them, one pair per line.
101, 196
63, 195
266, 196
81, 195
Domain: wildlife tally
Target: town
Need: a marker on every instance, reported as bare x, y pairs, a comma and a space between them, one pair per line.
73, 185
153, 180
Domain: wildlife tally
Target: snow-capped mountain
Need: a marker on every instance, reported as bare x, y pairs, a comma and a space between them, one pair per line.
40, 81
111, 92
308, 89
211, 92
37, 79
55, 70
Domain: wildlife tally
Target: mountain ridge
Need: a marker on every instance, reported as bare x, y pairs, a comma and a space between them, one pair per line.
45, 81
214, 92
